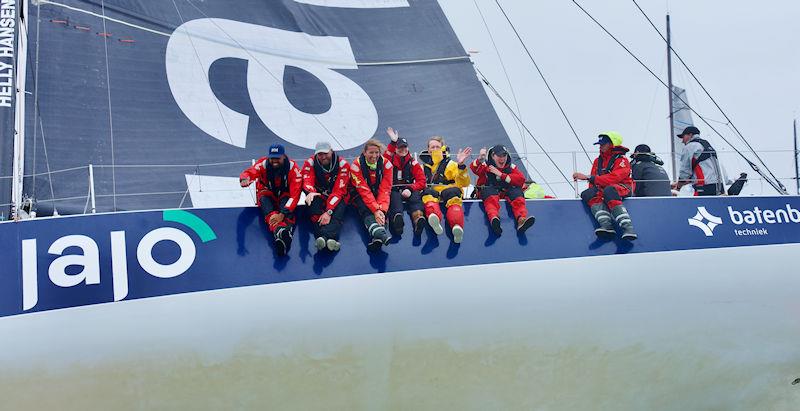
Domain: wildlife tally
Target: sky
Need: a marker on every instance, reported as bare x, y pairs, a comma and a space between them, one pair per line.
746, 53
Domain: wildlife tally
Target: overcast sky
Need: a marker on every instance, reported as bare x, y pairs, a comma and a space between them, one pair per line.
746, 53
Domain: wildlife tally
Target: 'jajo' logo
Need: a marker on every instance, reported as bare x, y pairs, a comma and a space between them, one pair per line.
705, 221
89, 259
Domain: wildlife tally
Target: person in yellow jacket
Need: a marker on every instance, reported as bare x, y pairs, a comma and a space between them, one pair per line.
446, 180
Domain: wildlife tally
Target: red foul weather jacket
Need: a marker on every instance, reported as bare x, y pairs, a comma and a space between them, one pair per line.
373, 186
510, 177
612, 168
407, 171
332, 185
277, 184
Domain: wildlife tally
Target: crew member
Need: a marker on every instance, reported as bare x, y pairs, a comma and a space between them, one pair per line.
699, 165
610, 181
446, 179
371, 178
407, 185
502, 178
651, 179
326, 178
278, 186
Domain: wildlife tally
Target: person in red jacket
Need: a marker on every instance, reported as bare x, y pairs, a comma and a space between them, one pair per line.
326, 177
501, 178
407, 184
609, 182
371, 178
278, 186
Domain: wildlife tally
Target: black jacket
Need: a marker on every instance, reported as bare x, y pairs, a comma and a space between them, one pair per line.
651, 179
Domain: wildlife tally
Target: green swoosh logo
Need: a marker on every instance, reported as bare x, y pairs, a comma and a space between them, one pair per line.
200, 227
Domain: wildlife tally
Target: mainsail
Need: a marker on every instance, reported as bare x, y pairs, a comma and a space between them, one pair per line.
681, 115
155, 95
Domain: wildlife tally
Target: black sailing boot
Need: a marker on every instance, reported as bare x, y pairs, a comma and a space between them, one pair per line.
283, 240
603, 217
624, 221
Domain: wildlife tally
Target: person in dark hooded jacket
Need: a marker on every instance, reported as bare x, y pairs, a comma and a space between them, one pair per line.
610, 181
651, 179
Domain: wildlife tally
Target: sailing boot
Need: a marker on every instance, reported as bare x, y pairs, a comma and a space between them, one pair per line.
624, 221
320, 243
524, 223
283, 240
434, 217
497, 229
397, 223
333, 245
603, 217
419, 222
379, 236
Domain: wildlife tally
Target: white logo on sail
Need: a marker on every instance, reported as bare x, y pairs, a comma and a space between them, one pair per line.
197, 44
705, 221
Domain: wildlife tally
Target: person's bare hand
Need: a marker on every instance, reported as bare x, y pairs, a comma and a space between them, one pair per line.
380, 217
393, 134
482, 154
463, 155
324, 219
579, 176
310, 198
276, 218
244, 182
495, 171
406, 193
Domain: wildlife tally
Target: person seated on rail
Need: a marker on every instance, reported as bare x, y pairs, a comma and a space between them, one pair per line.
501, 178
407, 185
609, 182
326, 181
371, 178
278, 187
446, 180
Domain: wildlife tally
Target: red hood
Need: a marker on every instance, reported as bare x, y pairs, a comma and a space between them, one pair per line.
614, 150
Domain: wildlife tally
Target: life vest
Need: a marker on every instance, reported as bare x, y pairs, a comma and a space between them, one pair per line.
403, 173
493, 180
610, 166
326, 180
708, 151
276, 181
436, 177
365, 170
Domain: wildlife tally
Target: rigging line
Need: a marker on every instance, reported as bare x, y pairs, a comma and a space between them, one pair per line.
522, 136
47, 159
206, 77
36, 112
110, 115
707, 93
38, 122
777, 186
496, 93
546, 83
508, 78
513, 93
279, 81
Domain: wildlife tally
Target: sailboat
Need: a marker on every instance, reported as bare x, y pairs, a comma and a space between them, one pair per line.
138, 113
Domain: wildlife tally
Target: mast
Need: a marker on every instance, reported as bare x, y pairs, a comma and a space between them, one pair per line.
19, 120
671, 109
796, 165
